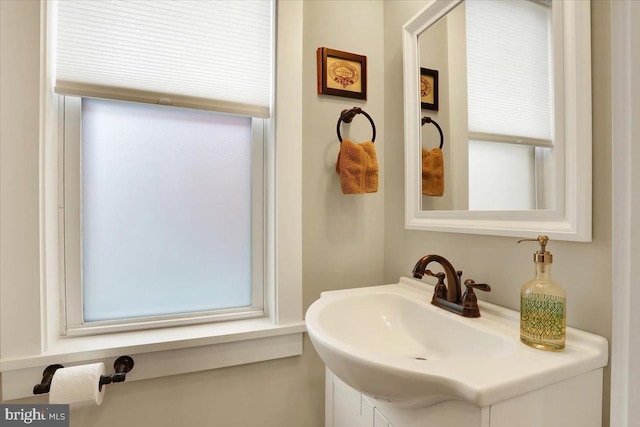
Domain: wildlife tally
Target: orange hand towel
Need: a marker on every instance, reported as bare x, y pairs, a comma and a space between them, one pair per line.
358, 167
432, 172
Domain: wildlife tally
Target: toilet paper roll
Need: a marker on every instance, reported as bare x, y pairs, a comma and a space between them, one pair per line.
78, 385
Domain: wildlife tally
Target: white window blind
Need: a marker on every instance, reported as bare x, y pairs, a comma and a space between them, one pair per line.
507, 96
200, 54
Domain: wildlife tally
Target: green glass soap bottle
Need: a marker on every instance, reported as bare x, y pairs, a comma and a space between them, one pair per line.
543, 305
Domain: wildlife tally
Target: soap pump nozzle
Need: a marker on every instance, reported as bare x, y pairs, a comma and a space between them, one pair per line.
542, 255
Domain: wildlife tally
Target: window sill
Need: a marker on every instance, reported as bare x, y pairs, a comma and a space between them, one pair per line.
160, 352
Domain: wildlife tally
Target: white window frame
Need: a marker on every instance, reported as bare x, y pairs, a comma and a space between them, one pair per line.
30, 335
73, 323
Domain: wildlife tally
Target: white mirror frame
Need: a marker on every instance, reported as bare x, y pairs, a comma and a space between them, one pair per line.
571, 220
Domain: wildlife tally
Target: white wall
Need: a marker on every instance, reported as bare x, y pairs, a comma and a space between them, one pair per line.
583, 268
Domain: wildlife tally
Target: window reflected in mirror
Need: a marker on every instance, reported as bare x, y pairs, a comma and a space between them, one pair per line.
496, 108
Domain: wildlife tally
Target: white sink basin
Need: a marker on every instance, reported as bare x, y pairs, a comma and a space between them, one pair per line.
390, 343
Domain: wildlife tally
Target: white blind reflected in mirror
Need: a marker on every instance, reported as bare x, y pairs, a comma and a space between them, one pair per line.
509, 68
166, 210
218, 52
501, 176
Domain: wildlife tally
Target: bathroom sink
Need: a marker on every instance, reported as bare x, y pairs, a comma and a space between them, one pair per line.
391, 344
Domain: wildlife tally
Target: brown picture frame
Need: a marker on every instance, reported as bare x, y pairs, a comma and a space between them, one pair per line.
342, 73
429, 89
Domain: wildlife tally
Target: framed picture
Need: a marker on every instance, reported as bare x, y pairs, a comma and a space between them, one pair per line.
342, 73
429, 89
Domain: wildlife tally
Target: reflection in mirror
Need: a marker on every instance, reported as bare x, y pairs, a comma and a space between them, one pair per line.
536, 137
494, 64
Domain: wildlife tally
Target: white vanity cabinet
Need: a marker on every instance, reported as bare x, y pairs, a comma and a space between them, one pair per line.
576, 402
428, 367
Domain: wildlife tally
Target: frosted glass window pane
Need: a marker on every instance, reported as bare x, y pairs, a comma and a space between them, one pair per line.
166, 210
509, 67
501, 176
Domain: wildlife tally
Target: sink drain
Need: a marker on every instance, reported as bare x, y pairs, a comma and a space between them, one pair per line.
420, 358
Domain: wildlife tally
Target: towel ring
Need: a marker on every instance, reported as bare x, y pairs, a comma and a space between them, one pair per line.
348, 115
426, 119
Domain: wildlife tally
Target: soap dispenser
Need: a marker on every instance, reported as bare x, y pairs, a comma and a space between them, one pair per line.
543, 305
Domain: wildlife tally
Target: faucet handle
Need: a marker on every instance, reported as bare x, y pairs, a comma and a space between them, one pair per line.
440, 290
439, 275
471, 284
469, 299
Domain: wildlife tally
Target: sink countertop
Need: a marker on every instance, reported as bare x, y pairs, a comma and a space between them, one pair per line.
481, 360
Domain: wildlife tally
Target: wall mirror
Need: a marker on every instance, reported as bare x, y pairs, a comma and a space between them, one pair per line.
499, 92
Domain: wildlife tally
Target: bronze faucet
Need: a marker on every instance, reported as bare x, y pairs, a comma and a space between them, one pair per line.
449, 296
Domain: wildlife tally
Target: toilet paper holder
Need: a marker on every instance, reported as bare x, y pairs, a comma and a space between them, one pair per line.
122, 365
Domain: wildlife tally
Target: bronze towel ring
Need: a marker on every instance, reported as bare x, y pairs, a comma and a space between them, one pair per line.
426, 119
348, 115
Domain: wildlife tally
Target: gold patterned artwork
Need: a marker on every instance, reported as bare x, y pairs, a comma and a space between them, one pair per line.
426, 89
342, 73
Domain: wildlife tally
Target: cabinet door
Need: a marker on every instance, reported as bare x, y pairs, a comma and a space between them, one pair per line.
573, 402
345, 406
379, 420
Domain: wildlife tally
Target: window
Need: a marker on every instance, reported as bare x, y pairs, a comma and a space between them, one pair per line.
32, 297
510, 169
514, 152
168, 215
163, 206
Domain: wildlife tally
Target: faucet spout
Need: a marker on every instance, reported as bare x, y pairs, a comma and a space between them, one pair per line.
449, 297
454, 292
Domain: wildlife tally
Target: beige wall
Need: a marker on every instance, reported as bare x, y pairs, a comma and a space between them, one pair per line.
434, 54
343, 235
19, 133
342, 241
583, 268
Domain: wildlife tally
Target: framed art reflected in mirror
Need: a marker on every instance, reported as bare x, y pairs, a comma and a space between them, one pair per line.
429, 89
